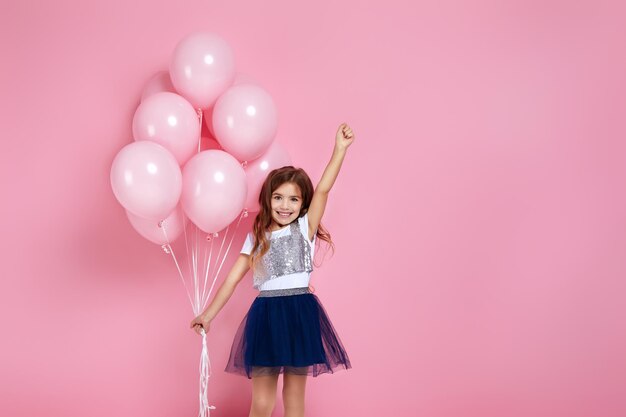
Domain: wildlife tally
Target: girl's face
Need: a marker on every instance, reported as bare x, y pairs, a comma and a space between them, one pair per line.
286, 204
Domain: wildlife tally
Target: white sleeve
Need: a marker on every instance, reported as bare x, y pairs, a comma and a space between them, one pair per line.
247, 245
304, 226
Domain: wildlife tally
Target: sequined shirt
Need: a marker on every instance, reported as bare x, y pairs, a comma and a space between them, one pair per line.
289, 261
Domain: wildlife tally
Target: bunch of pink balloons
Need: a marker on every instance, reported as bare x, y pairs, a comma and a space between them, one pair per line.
173, 172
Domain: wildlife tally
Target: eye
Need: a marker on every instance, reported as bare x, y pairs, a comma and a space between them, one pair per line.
294, 199
276, 197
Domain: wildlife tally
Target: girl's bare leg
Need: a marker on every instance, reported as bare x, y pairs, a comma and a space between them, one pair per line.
293, 394
263, 395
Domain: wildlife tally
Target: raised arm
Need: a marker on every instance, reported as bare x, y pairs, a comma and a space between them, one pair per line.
343, 140
223, 294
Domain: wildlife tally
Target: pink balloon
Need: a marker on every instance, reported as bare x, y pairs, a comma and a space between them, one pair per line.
240, 78
244, 121
276, 156
170, 229
159, 83
202, 67
207, 116
146, 180
214, 190
168, 119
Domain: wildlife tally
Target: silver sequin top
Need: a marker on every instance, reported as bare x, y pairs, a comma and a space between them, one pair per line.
288, 254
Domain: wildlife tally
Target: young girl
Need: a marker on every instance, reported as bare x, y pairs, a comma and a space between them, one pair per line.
286, 329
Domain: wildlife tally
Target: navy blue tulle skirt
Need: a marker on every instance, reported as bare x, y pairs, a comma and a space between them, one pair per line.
286, 331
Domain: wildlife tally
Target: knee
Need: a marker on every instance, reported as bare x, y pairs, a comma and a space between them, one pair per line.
263, 405
293, 399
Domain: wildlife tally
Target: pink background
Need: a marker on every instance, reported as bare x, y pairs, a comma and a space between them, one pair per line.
479, 217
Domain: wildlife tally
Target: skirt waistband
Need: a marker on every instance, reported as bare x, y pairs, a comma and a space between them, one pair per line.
284, 292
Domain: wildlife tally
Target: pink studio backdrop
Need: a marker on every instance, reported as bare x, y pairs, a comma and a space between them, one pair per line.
479, 218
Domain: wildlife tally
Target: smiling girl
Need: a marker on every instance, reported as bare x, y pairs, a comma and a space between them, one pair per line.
286, 330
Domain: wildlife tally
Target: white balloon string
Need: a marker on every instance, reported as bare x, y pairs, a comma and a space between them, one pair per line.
226, 254
180, 273
219, 253
191, 272
202, 271
219, 256
197, 306
170, 250
200, 136
205, 374
205, 363
206, 277
187, 245
195, 274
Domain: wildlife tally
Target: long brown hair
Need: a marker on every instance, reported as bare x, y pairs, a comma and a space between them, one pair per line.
263, 219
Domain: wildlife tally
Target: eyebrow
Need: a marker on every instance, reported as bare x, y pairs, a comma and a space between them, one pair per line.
297, 196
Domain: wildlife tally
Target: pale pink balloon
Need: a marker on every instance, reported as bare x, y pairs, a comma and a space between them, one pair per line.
207, 116
214, 190
240, 78
146, 180
202, 67
160, 232
245, 121
168, 119
159, 83
276, 156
